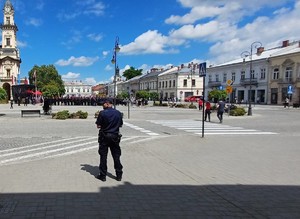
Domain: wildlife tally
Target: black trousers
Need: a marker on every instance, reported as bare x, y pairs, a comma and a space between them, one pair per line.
220, 115
111, 141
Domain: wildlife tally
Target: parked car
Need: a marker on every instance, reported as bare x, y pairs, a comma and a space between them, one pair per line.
193, 98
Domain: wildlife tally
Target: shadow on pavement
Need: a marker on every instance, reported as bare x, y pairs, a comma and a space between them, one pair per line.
158, 201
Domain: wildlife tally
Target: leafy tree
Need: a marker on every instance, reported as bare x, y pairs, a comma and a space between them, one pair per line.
123, 95
142, 94
47, 80
154, 96
3, 94
132, 72
217, 95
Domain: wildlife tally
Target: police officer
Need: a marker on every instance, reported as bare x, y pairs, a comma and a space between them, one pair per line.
109, 121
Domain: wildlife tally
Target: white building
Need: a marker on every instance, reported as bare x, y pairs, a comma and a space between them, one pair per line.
262, 78
9, 53
77, 89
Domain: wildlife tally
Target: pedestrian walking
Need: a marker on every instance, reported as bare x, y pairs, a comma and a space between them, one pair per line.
286, 102
11, 103
109, 122
200, 104
207, 110
220, 110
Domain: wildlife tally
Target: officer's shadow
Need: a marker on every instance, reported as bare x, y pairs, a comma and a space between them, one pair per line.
94, 170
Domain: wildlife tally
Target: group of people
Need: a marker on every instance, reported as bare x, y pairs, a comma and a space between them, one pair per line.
207, 109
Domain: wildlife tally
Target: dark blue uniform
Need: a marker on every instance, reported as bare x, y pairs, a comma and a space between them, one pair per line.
109, 120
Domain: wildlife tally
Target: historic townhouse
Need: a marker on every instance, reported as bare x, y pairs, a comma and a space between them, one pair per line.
173, 83
285, 74
77, 89
180, 82
272, 72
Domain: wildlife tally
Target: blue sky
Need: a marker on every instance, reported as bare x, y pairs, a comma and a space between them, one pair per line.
78, 36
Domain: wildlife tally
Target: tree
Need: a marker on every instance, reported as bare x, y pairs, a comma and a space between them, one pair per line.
142, 94
154, 96
3, 94
123, 95
132, 72
47, 80
217, 95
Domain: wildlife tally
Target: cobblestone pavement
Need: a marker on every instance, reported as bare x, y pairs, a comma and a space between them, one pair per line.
48, 168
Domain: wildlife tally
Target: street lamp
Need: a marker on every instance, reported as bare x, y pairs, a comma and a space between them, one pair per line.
245, 54
114, 61
192, 67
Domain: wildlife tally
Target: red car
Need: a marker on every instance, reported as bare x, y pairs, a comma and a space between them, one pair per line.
193, 98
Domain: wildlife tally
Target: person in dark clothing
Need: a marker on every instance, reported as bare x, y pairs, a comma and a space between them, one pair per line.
109, 121
220, 111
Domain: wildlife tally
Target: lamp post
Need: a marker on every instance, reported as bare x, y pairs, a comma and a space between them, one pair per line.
192, 67
245, 54
114, 61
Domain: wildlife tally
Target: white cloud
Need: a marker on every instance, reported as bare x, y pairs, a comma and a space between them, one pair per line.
90, 81
95, 37
70, 75
34, 22
108, 68
105, 53
147, 43
80, 61
21, 44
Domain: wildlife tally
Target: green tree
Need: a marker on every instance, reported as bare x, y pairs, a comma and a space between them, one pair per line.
3, 95
123, 95
142, 94
47, 80
154, 96
132, 72
217, 95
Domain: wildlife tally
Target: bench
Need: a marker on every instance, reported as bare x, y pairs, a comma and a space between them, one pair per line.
30, 112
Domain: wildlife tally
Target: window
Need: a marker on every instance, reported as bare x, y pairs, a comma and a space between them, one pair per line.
174, 84
209, 78
193, 83
252, 74
7, 41
159, 84
233, 76
243, 75
185, 82
163, 84
275, 74
217, 78
8, 73
288, 74
262, 73
224, 77
170, 83
8, 20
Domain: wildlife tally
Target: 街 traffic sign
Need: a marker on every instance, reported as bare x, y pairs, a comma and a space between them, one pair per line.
202, 69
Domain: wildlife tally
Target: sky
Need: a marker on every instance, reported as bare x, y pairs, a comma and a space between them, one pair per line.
78, 36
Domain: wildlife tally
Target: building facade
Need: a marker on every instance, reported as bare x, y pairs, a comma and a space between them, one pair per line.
9, 53
77, 89
264, 77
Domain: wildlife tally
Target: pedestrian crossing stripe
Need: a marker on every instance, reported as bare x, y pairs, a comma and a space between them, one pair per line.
195, 127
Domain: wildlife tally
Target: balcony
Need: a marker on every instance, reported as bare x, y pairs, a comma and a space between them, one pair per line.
285, 80
249, 81
212, 84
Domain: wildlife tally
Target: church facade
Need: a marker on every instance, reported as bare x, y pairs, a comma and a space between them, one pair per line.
9, 53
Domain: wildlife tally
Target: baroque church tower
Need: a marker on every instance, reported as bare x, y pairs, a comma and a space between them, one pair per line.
9, 53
